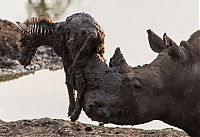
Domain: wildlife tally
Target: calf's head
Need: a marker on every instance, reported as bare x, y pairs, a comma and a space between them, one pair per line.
35, 32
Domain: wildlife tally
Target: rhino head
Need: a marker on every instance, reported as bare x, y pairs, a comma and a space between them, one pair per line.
175, 90
167, 89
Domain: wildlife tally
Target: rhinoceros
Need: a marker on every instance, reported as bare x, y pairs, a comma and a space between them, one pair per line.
167, 89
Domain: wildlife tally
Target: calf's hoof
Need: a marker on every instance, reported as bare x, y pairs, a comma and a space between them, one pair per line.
74, 117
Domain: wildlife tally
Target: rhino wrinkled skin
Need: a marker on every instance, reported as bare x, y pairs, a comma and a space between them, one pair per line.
167, 89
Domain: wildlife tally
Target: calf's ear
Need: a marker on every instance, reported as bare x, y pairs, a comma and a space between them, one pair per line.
155, 42
22, 25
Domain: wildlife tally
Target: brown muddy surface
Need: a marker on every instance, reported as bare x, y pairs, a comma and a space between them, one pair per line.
61, 128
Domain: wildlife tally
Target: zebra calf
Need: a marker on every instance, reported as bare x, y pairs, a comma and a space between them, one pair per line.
74, 40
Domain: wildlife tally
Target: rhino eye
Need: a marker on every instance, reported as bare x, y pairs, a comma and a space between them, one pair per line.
137, 84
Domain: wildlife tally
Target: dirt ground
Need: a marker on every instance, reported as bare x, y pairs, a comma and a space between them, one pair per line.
46, 127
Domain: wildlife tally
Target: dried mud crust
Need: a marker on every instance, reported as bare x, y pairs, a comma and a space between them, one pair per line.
57, 127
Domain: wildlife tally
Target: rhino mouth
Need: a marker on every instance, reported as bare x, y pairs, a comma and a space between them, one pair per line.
109, 113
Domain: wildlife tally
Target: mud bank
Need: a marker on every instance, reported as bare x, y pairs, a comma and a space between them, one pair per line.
57, 127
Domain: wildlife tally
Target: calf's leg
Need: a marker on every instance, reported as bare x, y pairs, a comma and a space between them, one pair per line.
78, 64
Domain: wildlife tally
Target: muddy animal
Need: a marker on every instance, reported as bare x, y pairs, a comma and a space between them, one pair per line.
167, 89
74, 40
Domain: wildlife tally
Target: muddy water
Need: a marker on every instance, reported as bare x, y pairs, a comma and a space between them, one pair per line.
44, 94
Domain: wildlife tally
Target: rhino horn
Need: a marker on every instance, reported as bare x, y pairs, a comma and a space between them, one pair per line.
155, 42
117, 58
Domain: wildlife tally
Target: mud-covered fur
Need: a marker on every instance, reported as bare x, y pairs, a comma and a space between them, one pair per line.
75, 40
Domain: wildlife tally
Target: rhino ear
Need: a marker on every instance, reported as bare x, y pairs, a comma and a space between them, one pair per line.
155, 42
22, 25
168, 41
